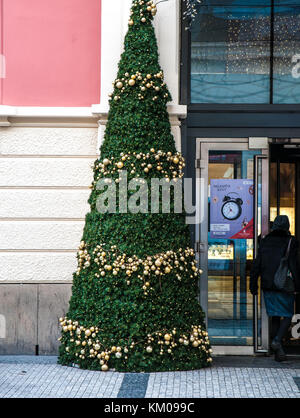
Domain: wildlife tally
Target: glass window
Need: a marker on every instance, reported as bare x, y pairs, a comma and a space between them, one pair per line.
286, 61
246, 52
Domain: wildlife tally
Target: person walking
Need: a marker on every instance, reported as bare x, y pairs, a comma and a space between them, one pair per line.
279, 304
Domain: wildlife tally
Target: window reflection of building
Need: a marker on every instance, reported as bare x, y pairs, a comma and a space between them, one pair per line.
285, 203
243, 52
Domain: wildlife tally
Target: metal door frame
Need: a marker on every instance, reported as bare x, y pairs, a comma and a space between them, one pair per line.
203, 146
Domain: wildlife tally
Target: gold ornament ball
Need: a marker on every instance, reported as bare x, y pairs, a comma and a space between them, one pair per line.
119, 85
120, 164
149, 349
143, 19
106, 161
131, 22
104, 368
131, 82
167, 337
167, 270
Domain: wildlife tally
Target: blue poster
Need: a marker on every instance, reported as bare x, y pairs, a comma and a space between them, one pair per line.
231, 208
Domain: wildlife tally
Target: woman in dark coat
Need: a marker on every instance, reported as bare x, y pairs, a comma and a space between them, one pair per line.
279, 304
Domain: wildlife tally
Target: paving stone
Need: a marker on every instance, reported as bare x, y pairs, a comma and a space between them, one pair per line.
42, 377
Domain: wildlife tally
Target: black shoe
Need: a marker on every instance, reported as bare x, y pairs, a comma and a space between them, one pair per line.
278, 350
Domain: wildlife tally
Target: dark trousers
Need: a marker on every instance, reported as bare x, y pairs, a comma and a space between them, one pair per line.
280, 327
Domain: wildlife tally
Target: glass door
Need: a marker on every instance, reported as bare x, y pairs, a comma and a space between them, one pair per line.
233, 185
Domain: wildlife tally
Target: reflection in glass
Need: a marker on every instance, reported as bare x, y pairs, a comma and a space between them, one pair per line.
230, 308
230, 60
285, 204
288, 192
246, 52
286, 64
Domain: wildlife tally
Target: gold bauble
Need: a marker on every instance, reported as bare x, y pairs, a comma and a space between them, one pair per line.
119, 85
167, 337
167, 270
131, 22
175, 160
104, 368
149, 349
106, 161
143, 19
131, 82
120, 164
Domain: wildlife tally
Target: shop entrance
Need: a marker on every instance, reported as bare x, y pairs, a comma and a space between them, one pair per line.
285, 200
244, 184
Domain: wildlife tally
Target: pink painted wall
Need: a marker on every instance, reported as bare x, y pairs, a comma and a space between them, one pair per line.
52, 52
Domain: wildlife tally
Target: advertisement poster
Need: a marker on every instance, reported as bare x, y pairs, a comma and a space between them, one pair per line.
231, 208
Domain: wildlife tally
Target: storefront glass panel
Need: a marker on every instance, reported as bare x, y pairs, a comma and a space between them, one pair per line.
230, 304
230, 60
286, 54
246, 52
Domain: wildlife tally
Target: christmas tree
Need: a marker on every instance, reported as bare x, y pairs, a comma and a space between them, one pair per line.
134, 297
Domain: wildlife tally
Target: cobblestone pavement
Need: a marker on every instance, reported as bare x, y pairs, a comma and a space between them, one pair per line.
229, 377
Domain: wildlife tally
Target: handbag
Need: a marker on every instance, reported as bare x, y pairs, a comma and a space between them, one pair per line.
283, 279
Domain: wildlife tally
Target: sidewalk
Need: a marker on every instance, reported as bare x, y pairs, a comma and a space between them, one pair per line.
229, 377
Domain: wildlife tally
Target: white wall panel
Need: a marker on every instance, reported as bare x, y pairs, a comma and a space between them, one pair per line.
48, 141
46, 172
36, 203
37, 267
40, 235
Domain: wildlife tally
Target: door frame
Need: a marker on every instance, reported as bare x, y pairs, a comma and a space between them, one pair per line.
203, 146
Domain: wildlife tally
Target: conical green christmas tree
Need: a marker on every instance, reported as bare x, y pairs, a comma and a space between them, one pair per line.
134, 297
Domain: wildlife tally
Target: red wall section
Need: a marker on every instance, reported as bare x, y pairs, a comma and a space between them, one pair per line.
52, 52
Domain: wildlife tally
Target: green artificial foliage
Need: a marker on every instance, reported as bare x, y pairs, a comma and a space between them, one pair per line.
134, 304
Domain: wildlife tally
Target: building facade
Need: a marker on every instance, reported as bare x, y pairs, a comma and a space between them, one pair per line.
235, 115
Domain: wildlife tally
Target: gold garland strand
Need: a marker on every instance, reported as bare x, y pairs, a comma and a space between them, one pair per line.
86, 342
159, 161
156, 266
147, 84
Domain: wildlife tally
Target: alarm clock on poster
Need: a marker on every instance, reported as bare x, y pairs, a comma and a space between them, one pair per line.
231, 208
